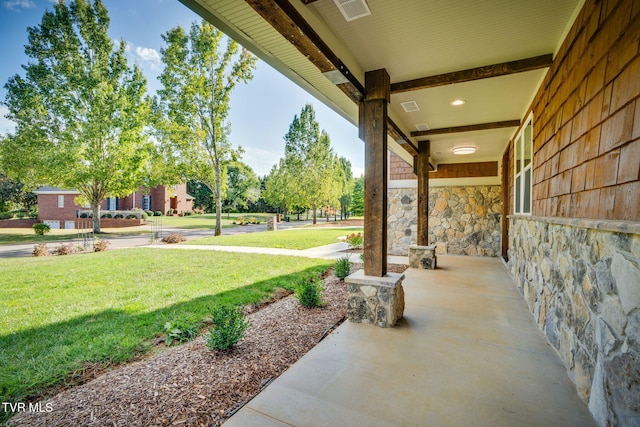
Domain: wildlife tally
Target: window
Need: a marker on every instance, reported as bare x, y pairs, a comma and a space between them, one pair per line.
61, 200
522, 169
112, 204
146, 202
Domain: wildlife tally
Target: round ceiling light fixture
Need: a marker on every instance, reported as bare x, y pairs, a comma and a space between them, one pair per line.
464, 149
458, 102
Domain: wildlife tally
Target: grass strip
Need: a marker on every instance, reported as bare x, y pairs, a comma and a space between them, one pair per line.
59, 313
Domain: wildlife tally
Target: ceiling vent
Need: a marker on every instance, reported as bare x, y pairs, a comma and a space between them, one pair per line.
353, 9
410, 106
422, 126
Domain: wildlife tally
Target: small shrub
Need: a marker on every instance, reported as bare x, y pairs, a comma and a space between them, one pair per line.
174, 238
157, 213
252, 220
149, 213
118, 216
22, 214
41, 229
170, 212
65, 249
132, 216
106, 215
309, 294
84, 215
6, 215
101, 246
181, 328
355, 240
240, 220
187, 213
40, 250
343, 267
228, 327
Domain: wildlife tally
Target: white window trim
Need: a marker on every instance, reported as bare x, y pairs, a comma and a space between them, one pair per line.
61, 200
523, 170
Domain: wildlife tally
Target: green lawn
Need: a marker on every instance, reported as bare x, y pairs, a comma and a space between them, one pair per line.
303, 238
57, 313
206, 220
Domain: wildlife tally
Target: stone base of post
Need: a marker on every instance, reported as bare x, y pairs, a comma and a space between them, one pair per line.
375, 300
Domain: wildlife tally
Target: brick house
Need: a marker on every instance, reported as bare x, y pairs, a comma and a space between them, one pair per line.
544, 99
58, 208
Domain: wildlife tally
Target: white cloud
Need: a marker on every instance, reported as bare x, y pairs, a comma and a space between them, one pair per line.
148, 54
18, 4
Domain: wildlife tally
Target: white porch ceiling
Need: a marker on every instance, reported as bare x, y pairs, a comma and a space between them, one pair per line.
413, 39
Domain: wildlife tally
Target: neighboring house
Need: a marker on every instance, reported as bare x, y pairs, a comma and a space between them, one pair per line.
58, 209
160, 198
543, 96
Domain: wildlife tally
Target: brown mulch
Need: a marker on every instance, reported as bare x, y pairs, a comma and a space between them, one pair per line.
191, 385
322, 222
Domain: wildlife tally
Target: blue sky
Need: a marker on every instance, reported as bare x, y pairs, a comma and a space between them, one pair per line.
261, 111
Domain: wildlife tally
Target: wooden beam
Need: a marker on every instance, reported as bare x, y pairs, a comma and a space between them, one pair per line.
423, 192
285, 19
465, 170
467, 128
402, 139
309, 1
374, 128
488, 71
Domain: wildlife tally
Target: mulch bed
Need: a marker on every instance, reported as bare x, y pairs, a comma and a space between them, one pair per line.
191, 385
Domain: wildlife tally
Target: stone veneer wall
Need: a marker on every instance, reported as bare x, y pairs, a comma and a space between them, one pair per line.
462, 220
581, 280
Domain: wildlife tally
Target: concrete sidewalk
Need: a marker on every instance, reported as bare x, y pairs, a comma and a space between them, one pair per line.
332, 251
466, 353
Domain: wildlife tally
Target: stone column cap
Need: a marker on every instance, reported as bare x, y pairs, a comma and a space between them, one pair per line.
429, 247
390, 280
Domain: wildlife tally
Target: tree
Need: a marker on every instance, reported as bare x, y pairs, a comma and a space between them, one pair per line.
80, 111
13, 192
311, 163
357, 198
197, 80
203, 197
346, 187
243, 187
279, 187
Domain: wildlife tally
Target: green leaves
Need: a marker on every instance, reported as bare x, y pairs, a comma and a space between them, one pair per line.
80, 110
193, 107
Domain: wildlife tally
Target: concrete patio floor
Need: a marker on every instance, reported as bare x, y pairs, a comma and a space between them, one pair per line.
467, 352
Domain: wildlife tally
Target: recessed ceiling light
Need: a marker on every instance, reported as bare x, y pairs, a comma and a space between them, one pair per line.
464, 149
422, 126
458, 102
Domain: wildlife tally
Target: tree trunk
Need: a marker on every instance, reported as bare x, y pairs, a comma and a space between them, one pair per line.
95, 208
314, 214
218, 201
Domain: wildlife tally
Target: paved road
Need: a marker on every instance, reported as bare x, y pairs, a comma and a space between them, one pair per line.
119, 242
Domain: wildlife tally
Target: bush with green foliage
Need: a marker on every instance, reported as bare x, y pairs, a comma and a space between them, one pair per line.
132, 216
41, 229
149, 213
6, 215
118, 216
228, 327
157, 213
355, 240
187, 213
181, 328
343, 267
106, 215
84, 215
309, 294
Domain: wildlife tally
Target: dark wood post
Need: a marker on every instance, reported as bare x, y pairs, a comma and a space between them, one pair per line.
373, 128
422, 170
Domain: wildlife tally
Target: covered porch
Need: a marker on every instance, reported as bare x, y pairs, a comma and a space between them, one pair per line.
467, 352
